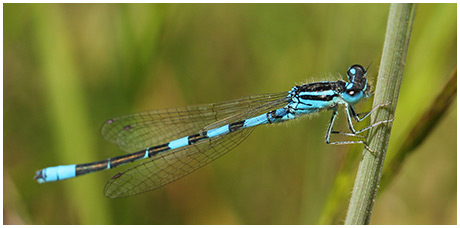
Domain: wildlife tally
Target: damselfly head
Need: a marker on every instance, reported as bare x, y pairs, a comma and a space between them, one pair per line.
357, 77
356, 73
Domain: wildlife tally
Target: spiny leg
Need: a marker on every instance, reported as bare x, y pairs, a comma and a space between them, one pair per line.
366, 114
347, 134
350, 113
329, 131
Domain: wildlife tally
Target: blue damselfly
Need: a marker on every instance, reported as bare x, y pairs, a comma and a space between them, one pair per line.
174, 142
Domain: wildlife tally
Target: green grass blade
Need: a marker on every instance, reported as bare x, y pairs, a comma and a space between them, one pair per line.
397, 38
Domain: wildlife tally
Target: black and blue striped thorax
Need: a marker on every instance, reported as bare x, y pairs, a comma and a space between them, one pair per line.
313, 97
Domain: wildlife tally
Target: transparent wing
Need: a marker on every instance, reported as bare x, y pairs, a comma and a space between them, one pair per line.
145, 129
171, 165
168, 167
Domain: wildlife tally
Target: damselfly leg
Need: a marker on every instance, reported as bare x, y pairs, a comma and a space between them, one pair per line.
351, 114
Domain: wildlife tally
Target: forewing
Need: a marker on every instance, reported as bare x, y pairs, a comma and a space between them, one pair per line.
145, 129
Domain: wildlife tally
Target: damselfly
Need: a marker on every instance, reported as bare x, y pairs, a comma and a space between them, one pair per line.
175, 142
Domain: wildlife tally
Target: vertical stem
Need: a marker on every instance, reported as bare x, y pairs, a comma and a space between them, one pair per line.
397, 37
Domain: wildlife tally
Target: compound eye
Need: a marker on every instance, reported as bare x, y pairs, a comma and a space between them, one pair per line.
356, 70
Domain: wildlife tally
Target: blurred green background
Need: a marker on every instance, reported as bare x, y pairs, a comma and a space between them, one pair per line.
70, 67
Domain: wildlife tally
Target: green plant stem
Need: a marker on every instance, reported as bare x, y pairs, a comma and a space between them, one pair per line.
397, 38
